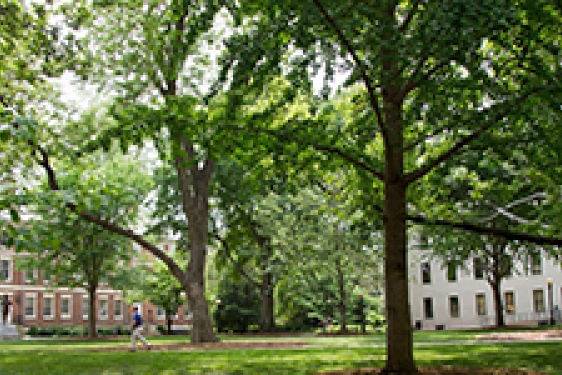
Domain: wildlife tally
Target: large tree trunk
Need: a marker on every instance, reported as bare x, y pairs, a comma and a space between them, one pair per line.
92, 331
498, 305
400, 349
169, 322
267, 315
202, 324
194, 179
400, 354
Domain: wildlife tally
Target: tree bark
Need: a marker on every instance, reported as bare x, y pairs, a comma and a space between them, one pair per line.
92, 331
194, 180
400, 349
498, 306
267, 316
195, 280
169, 322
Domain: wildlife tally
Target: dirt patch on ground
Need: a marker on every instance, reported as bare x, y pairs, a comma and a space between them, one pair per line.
229, 345
446, 370
522, 335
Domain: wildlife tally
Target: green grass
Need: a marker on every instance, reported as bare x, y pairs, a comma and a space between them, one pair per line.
323, 353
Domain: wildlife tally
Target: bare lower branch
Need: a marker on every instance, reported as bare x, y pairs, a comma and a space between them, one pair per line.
502, 233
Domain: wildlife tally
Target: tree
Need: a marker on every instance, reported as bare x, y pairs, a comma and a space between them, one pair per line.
73, 252
329, 254
33, 49
243, 244
145, 62
238, 304
437, 79
496, 195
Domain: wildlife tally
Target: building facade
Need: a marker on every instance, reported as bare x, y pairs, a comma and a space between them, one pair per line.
446, 296
36, 302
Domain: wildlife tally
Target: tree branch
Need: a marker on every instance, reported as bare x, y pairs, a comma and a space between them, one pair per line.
505, 210
457, 147
502, 233
363, 71
329, 149
106, 224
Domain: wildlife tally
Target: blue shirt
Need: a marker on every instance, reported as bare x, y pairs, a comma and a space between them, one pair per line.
137, 319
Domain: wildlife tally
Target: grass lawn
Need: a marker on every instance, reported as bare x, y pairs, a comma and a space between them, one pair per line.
323, 353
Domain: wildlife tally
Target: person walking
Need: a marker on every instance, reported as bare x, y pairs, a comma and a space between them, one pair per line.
136, 328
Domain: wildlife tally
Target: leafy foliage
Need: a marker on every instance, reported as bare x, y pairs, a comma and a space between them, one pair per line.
237, 305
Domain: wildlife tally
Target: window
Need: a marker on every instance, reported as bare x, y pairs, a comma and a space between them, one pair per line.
478, 265
186, 311
481, 304
538, 300
428, 308
454, 306
5, 270
452, 271
118, 309
161, 314
536, 265
65, 305
85, 307
426, 273
509, 300
102, 308
30, 302
48, 307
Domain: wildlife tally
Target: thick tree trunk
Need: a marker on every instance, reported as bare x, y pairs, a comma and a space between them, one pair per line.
400, 348
267, 315
194, 178
202, 325
169, 322
400, 354
92, 331
498, 305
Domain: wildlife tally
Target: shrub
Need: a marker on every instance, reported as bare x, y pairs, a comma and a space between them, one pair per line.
33, 331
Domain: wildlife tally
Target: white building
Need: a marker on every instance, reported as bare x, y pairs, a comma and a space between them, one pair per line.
457, 298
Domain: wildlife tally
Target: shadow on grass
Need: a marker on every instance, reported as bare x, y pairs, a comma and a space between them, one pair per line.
534, 356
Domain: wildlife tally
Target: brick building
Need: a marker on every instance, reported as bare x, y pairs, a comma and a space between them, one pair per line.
37, 303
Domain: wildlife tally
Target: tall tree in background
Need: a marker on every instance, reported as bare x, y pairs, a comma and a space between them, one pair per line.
242, 241
327, 253
437, 78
